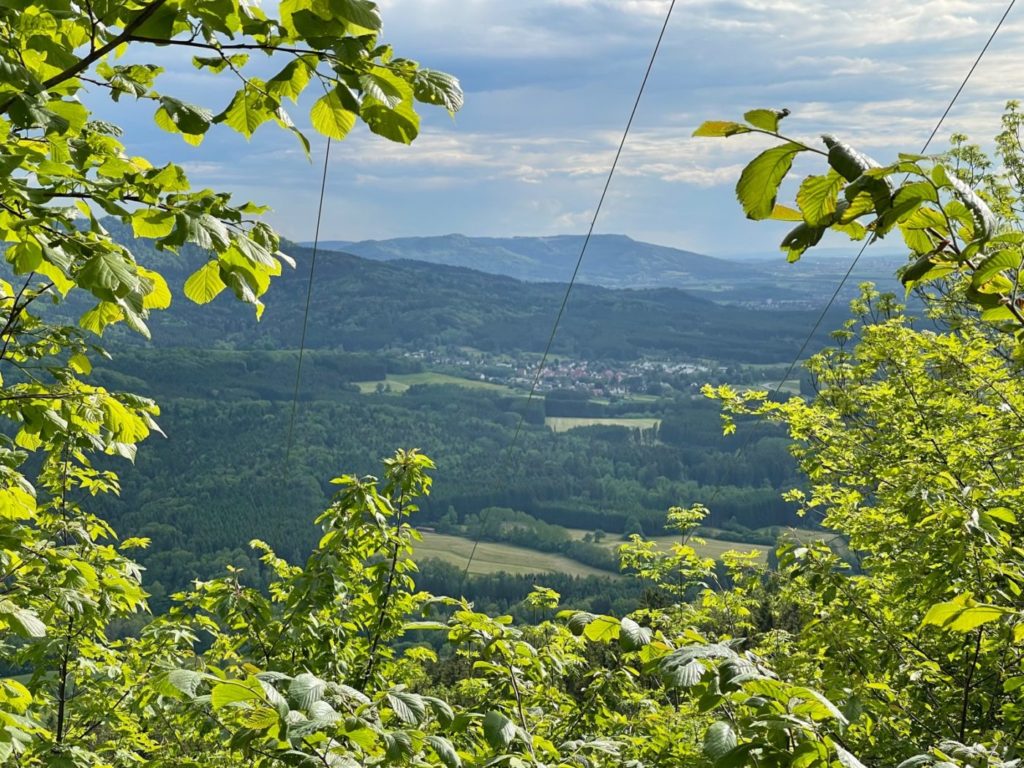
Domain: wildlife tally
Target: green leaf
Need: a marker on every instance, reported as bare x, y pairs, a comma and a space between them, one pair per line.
248, 110
817, 198
361, 13
719, 740
994, 265
235, 691
579, 621
799, 239
984, 219
445, 751
972, 618
108, 273
330, 115
291, 81
498, 730
204, 285
684, 675
846, 160
632, 636
26, 623
306, 689
398, 746
186, 118
720, 128
785, 213
409, 707
400, 124
440, 88
385, 87
846, 759
152, 222
442, 710
759, 183
186, 681
765, 119
260, 718
603, 629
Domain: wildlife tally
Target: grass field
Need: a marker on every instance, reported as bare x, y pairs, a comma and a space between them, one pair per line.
492, 557
401, 382
565, 423
710, 548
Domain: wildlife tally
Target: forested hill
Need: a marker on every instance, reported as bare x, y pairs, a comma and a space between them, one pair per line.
613, 261
364, 305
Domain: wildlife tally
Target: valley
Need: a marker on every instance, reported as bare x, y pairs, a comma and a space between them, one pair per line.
443, 360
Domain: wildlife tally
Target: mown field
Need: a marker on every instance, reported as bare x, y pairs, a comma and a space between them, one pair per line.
565, 423
710, 548
400, 382
492, 557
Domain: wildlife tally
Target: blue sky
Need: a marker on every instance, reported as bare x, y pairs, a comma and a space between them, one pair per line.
549, 84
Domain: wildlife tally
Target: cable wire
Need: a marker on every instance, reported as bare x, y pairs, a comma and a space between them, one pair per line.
583, 251
931, 137
305, 316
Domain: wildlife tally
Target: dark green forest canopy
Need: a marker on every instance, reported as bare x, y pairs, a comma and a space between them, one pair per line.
365, 305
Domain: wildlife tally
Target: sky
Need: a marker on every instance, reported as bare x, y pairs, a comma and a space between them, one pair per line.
549, 85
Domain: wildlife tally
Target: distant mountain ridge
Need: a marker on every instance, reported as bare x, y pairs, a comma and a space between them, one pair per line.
612, 261
366, 305
620, 262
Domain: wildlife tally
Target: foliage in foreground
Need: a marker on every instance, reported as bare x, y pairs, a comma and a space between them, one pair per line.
910, 447
342, 660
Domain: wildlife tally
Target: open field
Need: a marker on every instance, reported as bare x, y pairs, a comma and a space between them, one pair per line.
713, 548
492, 557
565, 423
401, 382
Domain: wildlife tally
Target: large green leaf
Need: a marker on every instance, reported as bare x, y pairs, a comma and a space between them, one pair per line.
409, 707
498, 730
400, 124
632, 636
817, 197
108, 272
306, 689
799, 239
445, 751
248, 110
994, 265
235, 691
331, 116
186, 118
603, 629
440, 88
719, 740
759, 183
361, 13
204, 285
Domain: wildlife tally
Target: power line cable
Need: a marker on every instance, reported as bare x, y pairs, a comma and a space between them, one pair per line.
867, 241
305, 316
583, 251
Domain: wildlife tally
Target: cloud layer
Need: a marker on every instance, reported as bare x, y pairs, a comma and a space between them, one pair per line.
550, 84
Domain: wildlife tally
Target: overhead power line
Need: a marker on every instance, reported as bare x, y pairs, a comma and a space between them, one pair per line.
583, 251
305, 315
867, 241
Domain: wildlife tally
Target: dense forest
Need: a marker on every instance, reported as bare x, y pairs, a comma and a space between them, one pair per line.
226, 416
889, 635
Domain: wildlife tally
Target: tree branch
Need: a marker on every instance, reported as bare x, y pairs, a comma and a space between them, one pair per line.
97, 53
